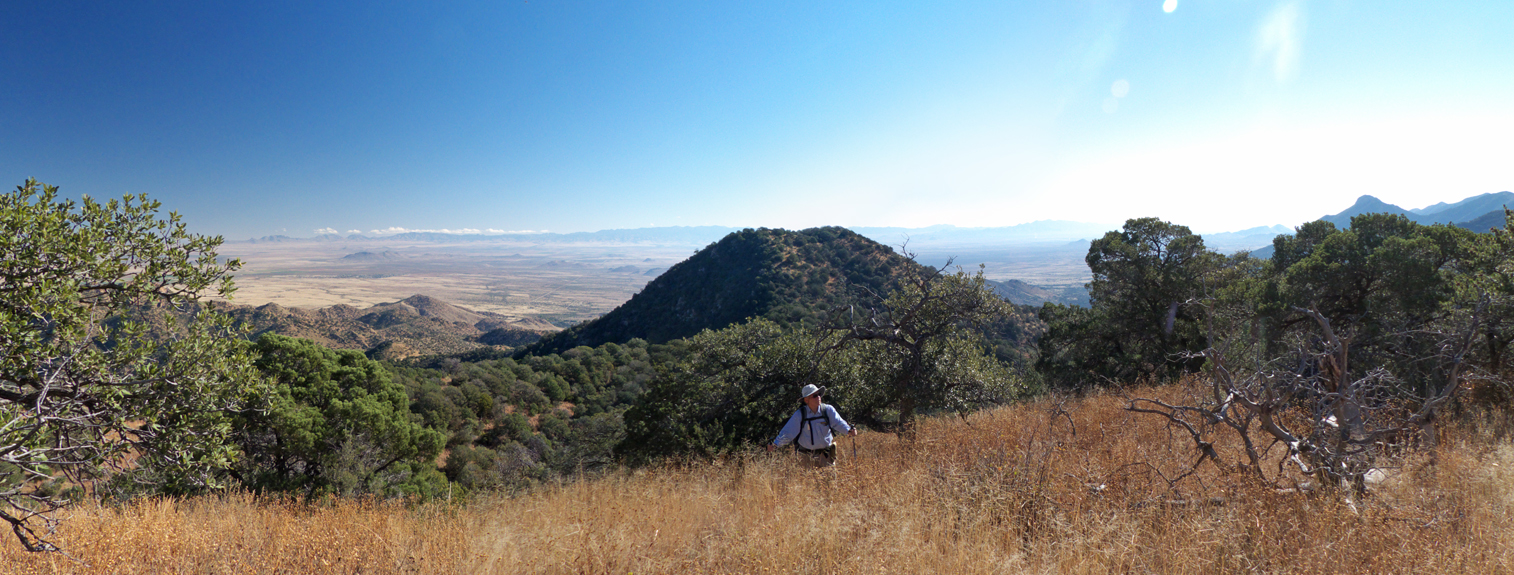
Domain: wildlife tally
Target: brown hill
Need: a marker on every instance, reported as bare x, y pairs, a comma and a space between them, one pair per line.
417, 325
371, 257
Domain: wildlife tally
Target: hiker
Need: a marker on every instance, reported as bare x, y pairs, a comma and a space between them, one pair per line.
810, 428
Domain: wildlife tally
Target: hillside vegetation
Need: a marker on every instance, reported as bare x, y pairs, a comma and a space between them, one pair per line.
418, 325
782, 275
1050, 486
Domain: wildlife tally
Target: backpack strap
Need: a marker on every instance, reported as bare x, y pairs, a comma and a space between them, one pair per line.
800, 433
805, 422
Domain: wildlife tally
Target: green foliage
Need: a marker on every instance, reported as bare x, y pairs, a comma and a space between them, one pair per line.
1489, 272
735, 388
1387, 283
84, 390
792, 278
548, 416
1383, 265
922, 350
508, 427
1390, 287
1383, 281
1138, 325
925, 346
337, 423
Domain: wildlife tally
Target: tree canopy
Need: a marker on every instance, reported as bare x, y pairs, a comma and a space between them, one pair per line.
920, 348
924, 345
106, 365
1137, 324
336, 423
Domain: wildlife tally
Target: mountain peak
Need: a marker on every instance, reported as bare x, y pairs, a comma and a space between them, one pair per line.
1488, 206
1371, 200
1366, 204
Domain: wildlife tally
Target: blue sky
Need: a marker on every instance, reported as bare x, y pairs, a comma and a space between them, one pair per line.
262, 118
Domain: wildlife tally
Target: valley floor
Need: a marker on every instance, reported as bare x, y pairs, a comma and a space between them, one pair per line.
1052, 486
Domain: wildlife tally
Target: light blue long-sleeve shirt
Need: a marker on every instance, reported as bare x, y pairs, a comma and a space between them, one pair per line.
812, 433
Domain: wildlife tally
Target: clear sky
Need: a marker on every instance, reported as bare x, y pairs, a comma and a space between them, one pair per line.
254, 118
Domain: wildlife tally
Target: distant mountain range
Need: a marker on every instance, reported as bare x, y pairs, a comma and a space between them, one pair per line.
1045, 231
678, 235
1486, 209
1477, 213
1244, 239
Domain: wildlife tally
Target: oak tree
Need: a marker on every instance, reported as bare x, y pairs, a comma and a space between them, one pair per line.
110, 373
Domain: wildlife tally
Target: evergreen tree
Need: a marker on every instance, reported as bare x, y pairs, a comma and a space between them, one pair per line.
106, 363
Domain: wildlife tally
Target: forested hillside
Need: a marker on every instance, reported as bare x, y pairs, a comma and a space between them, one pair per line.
786, 276
510, 423
569, 403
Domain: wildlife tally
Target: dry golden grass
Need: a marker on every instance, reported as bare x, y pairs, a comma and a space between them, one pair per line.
1011, 491
240, 534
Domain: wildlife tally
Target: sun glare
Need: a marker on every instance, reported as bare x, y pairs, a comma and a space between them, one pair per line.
1120, 88
1169, 5
1305, 171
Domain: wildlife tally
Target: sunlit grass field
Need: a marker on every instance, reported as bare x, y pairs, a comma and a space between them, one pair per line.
1052, 486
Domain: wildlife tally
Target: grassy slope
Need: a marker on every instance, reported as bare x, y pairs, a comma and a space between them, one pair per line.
1016, 491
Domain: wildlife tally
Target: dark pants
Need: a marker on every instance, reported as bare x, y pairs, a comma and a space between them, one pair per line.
823, 457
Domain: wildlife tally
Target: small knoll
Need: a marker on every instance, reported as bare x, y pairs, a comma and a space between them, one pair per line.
417, 325
751, 273
788, 276
563, 264
371, 257
625, 269
430, 307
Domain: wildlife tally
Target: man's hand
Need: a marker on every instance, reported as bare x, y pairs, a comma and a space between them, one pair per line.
770, 448
852, 432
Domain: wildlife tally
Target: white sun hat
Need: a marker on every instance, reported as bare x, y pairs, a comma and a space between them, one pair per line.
810, 390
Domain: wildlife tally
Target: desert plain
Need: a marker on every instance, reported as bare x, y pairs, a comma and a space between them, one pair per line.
560, 283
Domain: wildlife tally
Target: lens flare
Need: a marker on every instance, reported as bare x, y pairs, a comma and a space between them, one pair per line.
1169, 5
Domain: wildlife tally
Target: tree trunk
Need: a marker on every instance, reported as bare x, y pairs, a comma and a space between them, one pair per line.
907, 418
